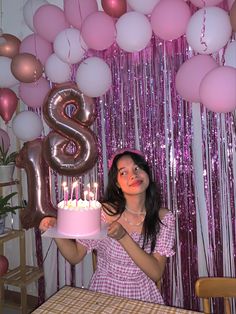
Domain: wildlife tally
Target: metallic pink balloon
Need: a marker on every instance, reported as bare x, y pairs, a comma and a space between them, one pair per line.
26, 67
39, 203
11, 46
71, 149
114, 8
8, 103
4, 264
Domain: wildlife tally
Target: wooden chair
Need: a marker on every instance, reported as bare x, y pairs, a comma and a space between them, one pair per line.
215, 287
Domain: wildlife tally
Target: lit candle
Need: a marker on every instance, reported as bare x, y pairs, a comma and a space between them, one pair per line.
72, 190
77, 192
89, 191
91, 194
65, 192
85, 195
96, 191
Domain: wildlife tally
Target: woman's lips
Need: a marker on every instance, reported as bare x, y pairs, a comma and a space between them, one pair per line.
136, 183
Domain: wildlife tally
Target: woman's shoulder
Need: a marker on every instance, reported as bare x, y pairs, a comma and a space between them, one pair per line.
164, 213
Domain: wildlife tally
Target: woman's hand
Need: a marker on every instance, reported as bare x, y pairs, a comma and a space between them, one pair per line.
47, 222
116, 231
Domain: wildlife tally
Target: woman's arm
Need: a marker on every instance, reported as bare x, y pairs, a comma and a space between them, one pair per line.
152, 265
72, 251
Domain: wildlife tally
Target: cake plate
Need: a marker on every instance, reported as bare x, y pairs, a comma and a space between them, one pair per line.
53, 233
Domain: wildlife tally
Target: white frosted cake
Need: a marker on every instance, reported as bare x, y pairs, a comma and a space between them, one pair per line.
79, 218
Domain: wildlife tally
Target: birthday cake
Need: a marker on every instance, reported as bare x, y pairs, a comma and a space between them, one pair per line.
79, 218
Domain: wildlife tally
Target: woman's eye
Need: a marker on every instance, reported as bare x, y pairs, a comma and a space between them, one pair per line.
123, 173
136, 168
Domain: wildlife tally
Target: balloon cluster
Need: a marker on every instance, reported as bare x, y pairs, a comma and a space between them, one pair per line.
62, 38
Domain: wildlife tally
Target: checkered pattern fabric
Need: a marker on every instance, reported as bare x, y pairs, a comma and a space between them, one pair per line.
116, 272
82, 301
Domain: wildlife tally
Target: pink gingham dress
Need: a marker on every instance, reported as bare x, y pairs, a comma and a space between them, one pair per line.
116, 272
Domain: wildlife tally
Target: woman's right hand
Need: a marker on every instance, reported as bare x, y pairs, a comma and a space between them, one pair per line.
47, 222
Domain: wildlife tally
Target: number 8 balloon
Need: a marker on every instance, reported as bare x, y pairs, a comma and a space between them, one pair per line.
69, 128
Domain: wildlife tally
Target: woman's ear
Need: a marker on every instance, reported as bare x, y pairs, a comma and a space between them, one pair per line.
117, 184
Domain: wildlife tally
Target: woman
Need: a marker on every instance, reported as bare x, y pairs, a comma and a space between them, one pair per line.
140, 236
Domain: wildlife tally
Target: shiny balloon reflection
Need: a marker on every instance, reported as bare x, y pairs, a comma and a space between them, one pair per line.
71, 148
39, 203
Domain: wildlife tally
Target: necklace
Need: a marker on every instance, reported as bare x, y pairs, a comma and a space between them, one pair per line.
142, 212
131, 223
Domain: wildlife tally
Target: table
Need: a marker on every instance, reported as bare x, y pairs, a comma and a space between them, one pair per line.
77, 300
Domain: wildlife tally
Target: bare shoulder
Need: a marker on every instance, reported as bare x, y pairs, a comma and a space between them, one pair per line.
163, 212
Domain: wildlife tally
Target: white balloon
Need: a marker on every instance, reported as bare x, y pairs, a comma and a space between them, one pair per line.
29, 8
134, 31
69, 45
93, 77
56, 70
230, 54
7, 79
145, 7
27, 125
208, 30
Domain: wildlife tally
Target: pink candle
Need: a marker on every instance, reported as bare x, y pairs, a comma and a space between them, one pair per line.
77, 192
72, 190
65, 192
96, 191
88, 185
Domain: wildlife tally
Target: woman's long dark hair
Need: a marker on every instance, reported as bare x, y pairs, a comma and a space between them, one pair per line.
114, 198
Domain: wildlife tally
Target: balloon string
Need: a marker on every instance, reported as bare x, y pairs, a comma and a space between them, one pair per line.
203, 30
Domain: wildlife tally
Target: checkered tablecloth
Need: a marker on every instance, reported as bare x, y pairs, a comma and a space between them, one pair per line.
76, 300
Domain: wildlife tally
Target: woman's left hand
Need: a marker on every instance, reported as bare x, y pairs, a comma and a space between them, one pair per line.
116, 231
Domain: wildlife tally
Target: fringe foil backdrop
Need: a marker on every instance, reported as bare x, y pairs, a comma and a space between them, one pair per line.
192, 152
193, 155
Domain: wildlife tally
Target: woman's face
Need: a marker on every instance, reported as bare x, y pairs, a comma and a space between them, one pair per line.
130, 178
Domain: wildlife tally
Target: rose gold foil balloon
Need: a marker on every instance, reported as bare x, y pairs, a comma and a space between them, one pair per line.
69, 129
114, 8
26, 68
10, 47
39, 203
8, 103
232, 14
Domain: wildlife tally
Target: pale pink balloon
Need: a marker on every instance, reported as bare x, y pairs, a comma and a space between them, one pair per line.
4, 140
169, 19
49, 20
33, 94
77, 10
205, 3
190, 75
37, 46
217, 89
98, 31
8, 103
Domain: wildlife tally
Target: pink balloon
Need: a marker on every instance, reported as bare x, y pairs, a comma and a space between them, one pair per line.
98, 31
217, 89
8, 103
205, 3
5, 140
49, 20
4, 264
37, 46
195, 68
169, 19
77, 10
33, 94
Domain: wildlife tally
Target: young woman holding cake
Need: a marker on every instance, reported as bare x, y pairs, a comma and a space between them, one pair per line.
140, 235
